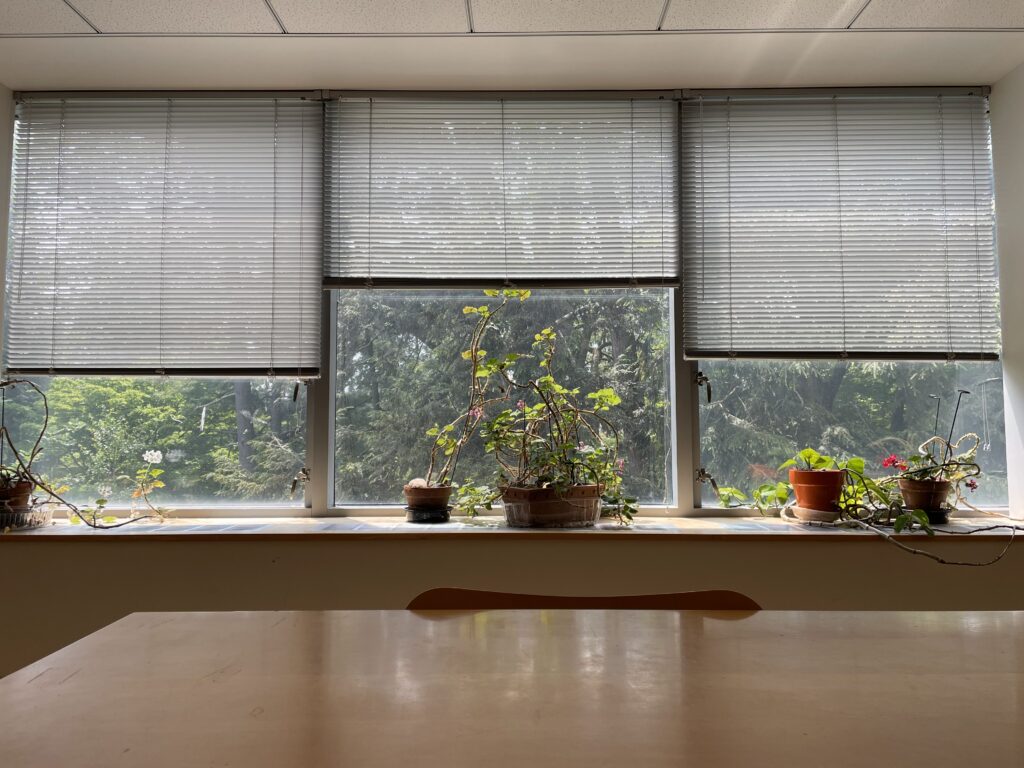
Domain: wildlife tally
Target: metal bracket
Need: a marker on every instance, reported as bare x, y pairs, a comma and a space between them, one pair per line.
703, 476
703, 380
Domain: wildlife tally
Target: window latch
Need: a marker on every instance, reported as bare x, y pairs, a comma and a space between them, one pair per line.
703, 380
703, 476
302, 476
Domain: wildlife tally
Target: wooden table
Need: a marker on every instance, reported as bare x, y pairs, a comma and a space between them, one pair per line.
524, 689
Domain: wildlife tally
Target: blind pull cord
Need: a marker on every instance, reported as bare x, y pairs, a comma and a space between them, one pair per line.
56, 238
977, 245
839, 200
302, 227
273, 248
632, 194
168, 124
945, 228
728, 209
369, 199
504, 197
26, 192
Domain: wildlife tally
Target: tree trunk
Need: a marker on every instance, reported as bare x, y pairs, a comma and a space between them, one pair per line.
243, 424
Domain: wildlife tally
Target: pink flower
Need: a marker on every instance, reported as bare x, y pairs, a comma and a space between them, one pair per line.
476, 412
972, 484
521, 405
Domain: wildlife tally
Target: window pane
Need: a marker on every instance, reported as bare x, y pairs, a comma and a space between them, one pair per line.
221, 441
400, 371
763, 412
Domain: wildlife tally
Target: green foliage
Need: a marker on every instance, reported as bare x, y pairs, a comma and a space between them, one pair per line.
401, 372
765, 411
731, 497
768, 496
219, 439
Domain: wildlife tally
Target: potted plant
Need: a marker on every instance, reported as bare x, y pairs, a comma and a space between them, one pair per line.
427, 498
556, 454
927, 479
817, 481
16, 486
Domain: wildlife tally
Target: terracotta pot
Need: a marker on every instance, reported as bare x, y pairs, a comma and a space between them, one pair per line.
578, 506
927, 495
817, 491
431, 498
17, 495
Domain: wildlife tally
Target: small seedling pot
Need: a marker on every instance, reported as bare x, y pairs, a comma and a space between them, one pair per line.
427, 504
817, 493
927, 495
578, 506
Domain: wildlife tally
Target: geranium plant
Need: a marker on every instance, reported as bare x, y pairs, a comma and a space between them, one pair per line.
555, 438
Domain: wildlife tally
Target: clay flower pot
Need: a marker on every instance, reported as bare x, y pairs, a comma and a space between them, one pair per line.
17, 495
427, 504
578, 506
927, 495
817, 493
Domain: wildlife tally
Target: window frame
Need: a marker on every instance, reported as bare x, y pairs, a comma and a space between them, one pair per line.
318, 499
320, 458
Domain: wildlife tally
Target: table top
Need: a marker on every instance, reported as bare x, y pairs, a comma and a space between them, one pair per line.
525, 688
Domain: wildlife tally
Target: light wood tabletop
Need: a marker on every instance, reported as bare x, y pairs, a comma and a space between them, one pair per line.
525, 688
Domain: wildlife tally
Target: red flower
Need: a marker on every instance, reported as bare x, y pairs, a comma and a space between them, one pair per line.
892, 460
972, 484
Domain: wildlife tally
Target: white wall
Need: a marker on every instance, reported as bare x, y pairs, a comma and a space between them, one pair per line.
1007, 104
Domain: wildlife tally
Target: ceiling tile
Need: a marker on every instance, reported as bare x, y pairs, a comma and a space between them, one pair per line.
760, 14
178, 16
943, 14
565, 15
370, 16
31, 17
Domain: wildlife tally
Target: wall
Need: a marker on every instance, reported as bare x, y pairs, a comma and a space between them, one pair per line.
1007, 104
53, 592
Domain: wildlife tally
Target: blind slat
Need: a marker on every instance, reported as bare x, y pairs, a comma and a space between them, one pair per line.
847, 227
493, 190
165, 234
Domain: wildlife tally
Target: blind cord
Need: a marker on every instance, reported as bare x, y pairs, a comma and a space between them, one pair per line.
728, 209
25, 194
56, 237
632, 195
945, 226
504, 203
168, 123
703, 223
842, 248
302, 227
273, 248
977, 244
369, 200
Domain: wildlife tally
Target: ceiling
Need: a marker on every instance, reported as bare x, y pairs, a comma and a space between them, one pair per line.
500, 44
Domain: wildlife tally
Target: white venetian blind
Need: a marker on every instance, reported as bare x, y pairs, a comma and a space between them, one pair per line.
839, 225
485, 189
177, 235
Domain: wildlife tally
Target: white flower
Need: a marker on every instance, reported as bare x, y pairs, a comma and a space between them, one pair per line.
152, 457
175, 455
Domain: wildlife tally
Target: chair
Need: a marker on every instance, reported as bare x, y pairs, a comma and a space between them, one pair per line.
452, 599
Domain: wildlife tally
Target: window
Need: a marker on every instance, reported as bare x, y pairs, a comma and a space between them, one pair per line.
828, 256
221, 441
762, 413
399, 372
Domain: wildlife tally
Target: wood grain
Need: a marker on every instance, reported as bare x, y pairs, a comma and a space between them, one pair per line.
525, 688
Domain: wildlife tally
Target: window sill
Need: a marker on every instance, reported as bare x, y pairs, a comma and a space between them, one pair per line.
369, 528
